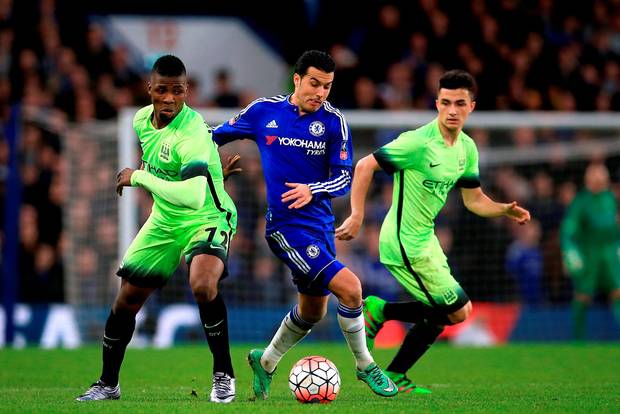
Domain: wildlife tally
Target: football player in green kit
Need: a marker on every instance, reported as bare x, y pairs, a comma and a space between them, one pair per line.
590, 239
426, 163
192, 215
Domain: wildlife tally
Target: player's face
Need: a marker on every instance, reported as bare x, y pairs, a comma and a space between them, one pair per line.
454, 106
168, 94
597, 178
312, 89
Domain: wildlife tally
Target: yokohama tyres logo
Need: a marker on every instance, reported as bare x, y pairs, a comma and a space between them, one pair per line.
311, 147
296, 142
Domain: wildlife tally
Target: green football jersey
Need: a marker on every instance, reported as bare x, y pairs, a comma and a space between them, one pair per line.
182, 150
590, 222
425, 169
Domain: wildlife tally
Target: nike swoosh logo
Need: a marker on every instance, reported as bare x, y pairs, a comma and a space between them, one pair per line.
213, 326
391, 388
111, 339
215, 246
433, 165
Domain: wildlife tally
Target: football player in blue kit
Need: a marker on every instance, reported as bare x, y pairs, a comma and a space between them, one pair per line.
306, 155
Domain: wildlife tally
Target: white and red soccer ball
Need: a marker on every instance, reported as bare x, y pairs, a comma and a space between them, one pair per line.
314, 379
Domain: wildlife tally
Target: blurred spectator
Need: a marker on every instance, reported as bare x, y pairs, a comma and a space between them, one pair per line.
544, 205
524, 263
225, 96
97, 56
366, 95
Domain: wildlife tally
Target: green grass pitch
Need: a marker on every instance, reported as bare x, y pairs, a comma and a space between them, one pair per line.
560, 378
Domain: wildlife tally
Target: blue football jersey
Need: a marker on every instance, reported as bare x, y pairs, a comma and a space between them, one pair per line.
314, 149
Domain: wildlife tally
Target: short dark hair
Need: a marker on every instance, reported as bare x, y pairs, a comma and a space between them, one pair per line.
169, 65
317, 59
459, 79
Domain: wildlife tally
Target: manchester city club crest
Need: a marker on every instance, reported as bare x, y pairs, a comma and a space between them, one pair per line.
164, 151
313, 251
317, 128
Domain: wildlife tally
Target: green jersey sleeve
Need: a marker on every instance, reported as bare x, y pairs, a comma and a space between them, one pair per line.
195, 150
569, 233
402, 153
471, 174
190, 193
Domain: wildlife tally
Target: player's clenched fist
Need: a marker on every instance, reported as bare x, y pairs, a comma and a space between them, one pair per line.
123, 179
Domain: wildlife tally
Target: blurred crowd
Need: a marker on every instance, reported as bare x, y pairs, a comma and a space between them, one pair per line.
526, 55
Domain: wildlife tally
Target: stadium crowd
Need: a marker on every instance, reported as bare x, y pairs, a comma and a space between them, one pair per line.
526, 55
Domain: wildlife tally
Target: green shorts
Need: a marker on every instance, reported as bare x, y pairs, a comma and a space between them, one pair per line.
155, 252
429, 280
600, 271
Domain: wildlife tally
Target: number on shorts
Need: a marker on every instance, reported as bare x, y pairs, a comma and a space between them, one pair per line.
211, 231
225, 236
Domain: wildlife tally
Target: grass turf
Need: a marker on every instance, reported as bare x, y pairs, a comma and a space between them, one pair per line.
510, 379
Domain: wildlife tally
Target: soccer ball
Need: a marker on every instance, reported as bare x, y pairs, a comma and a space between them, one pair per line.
314, 379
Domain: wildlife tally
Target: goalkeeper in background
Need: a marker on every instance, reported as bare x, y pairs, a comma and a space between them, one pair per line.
590, 240
192, 215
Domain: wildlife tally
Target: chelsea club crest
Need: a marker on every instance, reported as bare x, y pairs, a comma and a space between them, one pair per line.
317, 128
313, 251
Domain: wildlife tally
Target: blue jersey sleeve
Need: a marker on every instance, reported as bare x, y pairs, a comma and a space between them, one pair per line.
338, 185
340, 147
241, 126
340, 153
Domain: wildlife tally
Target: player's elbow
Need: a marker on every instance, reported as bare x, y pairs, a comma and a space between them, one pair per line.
365, 164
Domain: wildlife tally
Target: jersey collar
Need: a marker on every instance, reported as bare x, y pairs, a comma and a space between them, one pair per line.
437, 134
175, 121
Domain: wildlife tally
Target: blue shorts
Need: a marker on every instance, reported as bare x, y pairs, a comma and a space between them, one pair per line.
310, 255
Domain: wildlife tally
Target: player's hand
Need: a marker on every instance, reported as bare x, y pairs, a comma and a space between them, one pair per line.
517, 213
349, 228
231, 166
300, 195
123, 179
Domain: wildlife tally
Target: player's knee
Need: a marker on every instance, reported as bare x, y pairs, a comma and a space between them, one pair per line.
204, 290
350, 294
351, 297
128, 303
126, 307
460, 315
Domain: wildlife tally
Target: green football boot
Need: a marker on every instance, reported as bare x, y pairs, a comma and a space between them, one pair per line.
262, 378
405, 385
373, 319
378, 382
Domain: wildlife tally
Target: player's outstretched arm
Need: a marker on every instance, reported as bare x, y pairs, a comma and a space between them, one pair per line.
479, 203
190, 193
362, 178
